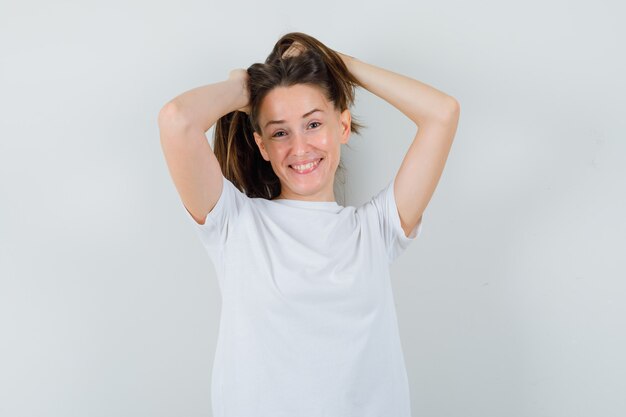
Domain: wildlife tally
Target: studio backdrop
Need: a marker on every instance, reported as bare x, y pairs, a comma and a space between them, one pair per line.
510, 303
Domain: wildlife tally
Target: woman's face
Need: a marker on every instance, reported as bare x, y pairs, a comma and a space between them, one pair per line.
301, 137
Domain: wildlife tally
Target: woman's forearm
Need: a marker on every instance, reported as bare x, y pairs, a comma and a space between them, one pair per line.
418, 101
202, 106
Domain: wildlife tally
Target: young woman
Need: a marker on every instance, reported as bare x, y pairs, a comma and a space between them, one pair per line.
308, 324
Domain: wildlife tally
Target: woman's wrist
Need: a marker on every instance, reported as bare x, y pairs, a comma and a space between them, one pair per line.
347, 59
236, 96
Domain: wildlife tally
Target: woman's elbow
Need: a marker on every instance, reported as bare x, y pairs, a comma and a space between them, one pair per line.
170, 115
451, 111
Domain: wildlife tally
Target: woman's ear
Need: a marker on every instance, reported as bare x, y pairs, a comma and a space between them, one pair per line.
345, 119
259, 142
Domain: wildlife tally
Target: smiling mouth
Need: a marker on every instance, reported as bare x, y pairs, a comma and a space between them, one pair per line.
306, 168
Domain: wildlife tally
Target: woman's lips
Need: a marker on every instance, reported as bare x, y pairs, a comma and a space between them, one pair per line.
313, 164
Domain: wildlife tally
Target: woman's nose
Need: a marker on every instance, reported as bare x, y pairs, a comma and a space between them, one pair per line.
300, 143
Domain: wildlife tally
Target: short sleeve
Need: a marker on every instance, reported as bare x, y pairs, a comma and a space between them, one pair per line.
389, 220
222, 218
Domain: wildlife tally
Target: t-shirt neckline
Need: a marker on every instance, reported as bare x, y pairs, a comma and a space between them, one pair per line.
321, 205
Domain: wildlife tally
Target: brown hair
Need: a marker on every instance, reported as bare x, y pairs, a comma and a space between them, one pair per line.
234, 145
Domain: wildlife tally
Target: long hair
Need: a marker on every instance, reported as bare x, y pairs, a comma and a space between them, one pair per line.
234, 146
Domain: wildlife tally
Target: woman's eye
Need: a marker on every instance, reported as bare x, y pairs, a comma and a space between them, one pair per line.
282, 133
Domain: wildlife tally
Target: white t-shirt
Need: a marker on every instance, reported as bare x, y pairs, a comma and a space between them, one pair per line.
308, 324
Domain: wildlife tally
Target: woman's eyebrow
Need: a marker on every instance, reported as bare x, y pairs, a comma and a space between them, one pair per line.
271, 122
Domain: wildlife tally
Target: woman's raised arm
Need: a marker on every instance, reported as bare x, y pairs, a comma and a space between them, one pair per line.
436, 115
183, 122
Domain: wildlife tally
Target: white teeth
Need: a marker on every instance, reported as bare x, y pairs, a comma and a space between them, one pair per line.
305, 166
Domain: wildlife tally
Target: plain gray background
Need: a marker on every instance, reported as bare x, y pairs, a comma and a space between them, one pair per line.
511, 303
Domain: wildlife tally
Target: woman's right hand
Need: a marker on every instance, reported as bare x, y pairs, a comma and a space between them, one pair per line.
294, 49
241, 75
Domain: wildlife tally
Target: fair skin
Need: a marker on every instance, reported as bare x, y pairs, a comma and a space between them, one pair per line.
434, 113
436, 117
289, 140
197, 176
183, 123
